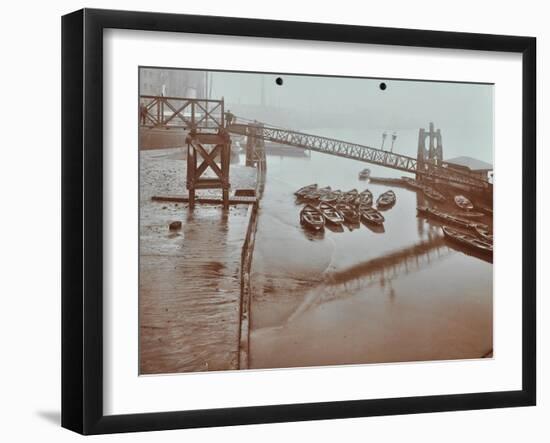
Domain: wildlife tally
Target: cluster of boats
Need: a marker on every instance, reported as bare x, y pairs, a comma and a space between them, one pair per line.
325, 206
461, 229
334, 207
460, 200
473, 235
482, 246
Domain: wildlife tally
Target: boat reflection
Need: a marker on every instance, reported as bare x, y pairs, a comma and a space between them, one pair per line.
313, 235
377, 229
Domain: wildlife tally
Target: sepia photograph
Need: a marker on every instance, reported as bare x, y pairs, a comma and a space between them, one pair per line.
292, 221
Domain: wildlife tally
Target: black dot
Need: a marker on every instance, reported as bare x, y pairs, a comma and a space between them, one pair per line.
279, 81
383, 86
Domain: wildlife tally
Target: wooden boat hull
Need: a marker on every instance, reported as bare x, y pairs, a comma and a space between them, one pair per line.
311, 197
449, 219
471, 214
364, 174
364, 198
463, 203
348, 197
485, 234
386, 200
331, 214
305, 189
434, 195
329, 198
468, 242
312, 218
349, 213
486, 210
371, 216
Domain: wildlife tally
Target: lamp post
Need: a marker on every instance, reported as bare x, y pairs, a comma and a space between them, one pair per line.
384, 135
393, 137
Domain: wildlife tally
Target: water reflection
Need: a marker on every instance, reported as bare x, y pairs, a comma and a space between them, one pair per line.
335, 228
377, 229
313, 235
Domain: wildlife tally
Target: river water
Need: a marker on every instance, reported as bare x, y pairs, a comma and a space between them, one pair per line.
360, 296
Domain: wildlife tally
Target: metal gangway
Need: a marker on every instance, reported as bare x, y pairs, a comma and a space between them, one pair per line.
354, 151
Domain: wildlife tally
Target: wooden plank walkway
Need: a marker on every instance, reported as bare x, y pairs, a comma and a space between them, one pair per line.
205, 200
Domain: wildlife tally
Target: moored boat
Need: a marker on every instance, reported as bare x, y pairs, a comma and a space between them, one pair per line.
305, 189
433, 194
386, 200
484, 233
463, 203
468, 240
311, 196
330, 197
364, 198
370, 215
471, 214
312, 218
349, 197
332, 215
364, 174
350, 214
447, 218
485, 209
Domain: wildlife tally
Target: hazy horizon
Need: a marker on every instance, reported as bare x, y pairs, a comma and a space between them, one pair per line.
347, 107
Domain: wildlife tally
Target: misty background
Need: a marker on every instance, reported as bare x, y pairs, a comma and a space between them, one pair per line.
351, 109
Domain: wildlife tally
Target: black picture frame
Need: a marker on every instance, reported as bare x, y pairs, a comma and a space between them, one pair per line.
82, 218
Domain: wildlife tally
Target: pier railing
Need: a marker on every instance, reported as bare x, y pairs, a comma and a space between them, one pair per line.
181, 112
359, 152
246, 261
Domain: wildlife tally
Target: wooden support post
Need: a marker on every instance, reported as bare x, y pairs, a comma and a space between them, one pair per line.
209, 147
191, 168
225, 161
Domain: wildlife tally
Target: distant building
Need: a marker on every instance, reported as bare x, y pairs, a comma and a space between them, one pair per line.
172, 83
470, 164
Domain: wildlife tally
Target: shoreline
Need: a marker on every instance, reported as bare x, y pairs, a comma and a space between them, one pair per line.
190, 279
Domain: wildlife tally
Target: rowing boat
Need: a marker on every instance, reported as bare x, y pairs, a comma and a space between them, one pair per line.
448, 218
468, 240
349, 197
484, 233
485, 209
386, 200
463, 203
471, 214
305, 189
332, 215
311, 196
433, 194
364, 174
331, 197
364, 198
370, 215
350, 214
312, 218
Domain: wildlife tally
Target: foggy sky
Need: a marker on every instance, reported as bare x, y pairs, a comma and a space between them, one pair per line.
358, 110
464, 112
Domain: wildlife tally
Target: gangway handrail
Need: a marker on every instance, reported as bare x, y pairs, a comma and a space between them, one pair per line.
356, 151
